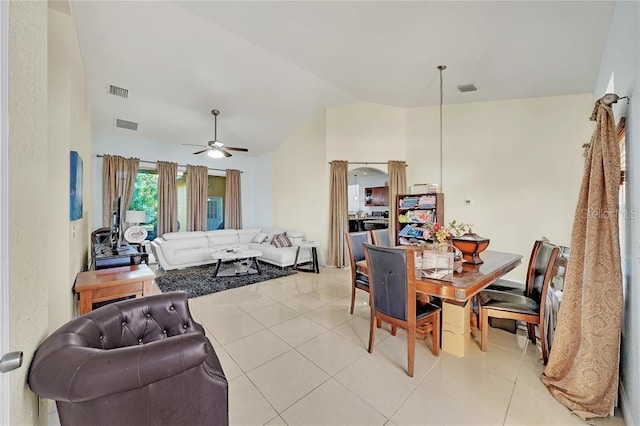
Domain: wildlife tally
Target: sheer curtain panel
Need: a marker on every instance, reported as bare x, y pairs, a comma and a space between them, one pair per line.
118, 180
338, 214
233, 200
197, 184
167, 197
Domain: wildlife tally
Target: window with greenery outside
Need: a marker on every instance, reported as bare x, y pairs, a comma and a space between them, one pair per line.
145, 197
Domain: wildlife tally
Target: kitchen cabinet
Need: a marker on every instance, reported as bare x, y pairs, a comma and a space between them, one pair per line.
376, 196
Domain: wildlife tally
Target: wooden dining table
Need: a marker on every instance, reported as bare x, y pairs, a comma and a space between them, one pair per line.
463, 286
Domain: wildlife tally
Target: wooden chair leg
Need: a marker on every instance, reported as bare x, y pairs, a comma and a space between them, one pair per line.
378, 323
435, 334
394, 330
479, 317
531, 330
372, 331
411, 350
484, 334
543, 343
353, 297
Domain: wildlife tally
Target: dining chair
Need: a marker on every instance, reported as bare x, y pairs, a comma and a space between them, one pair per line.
355, 241
517, 287
529, 308
394, 299
381, 237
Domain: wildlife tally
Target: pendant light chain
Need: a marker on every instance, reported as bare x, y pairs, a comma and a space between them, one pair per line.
441, 68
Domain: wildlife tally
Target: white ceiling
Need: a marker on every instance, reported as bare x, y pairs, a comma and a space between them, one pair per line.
270, 67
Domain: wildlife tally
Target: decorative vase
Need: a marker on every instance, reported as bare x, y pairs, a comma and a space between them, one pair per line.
471, 245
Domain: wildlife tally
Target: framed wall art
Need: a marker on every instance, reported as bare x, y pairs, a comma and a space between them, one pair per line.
75, 187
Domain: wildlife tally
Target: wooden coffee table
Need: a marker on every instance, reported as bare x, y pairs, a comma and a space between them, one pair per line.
113, 283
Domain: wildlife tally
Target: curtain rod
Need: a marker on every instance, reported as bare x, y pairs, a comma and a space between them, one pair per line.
179, 165
366, 163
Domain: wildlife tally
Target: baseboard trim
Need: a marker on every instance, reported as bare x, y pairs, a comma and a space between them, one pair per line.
626, 411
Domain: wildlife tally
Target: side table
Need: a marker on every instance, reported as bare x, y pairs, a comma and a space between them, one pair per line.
314, 257
113, 283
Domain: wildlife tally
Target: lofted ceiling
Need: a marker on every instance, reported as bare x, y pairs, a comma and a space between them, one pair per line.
271, 67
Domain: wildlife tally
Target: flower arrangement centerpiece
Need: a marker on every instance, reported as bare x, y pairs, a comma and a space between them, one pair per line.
443, 233
441, 236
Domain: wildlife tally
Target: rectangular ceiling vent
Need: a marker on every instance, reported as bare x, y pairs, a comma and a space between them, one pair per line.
129, 125
467, 88
118, 91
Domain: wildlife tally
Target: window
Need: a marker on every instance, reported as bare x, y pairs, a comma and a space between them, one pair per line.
145, 197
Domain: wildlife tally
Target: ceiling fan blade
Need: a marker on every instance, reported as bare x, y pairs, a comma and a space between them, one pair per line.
235, 148
225, 152
200, 152
192, 144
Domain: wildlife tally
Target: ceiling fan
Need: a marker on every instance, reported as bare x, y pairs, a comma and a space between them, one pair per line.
215, 148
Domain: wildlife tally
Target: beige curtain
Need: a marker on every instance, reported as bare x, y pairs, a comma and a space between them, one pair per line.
397, 185
338, 214
582, 372
118, 180
167, 197
197, 185
232, 201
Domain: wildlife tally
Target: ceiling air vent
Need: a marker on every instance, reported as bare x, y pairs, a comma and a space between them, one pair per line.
124, 124
118, 91
467, 88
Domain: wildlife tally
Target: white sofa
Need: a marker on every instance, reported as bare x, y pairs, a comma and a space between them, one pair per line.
176, 250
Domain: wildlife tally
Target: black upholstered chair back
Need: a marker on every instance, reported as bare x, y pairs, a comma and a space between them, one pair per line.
388, 281
356, 240
541, 267
381, 237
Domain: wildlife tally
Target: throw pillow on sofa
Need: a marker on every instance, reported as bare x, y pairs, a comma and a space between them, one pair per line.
260, 237
281, 240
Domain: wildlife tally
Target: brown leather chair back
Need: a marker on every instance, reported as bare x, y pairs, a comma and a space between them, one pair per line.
122, 363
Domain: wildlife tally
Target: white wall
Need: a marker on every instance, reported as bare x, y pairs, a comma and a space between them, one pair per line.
300, 184
69, 123
366, 132
256, 176
621, 59
518, 161
28, 217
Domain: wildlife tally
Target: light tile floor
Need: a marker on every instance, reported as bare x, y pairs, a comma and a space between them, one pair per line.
294, 355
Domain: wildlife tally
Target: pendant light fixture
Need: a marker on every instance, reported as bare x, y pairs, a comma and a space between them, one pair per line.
355, 182
441, 68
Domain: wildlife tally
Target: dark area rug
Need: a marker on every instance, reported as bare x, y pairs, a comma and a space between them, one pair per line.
198, 280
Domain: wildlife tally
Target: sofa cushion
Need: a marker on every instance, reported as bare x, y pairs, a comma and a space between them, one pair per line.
281, 240
271, 232
182, 235
294, 234
283, 256
260, 237
222, 237
245, 236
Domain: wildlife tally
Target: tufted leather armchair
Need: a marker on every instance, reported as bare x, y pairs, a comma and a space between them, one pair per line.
137, 362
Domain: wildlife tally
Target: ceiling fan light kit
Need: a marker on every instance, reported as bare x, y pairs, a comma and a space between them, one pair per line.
215, 153
215, 148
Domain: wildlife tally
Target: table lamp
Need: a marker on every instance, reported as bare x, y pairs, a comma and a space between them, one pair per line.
135, 234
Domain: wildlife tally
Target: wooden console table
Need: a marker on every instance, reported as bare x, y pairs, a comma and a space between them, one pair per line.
114, 283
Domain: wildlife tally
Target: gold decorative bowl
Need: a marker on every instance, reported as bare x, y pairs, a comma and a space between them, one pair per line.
471, 245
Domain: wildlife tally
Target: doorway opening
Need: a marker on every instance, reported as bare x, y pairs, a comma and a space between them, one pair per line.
368, 199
